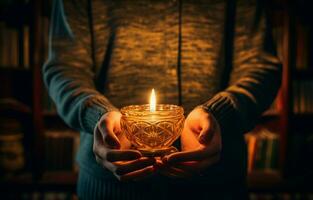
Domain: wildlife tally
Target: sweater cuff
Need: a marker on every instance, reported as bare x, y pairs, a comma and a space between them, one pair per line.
93, 110
223, 108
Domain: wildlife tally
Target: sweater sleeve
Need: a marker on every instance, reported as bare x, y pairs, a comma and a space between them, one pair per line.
68, 73
255, 77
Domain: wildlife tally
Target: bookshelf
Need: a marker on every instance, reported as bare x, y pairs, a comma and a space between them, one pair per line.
267, 142
292, 179
31, 101
303, 75
301, 132
23, 96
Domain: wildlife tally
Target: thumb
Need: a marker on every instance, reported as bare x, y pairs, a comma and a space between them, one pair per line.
206, 134
109, 136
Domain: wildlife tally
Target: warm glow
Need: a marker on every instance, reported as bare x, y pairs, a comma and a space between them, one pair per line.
152, 101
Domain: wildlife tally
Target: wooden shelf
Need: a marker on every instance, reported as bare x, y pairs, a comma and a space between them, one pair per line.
303, 115
11, 70
303, 118
50, 114
263, 180
54, 121
302, 122
17, 75
302, 74
273, 181
9, 12
50, 181
16, 84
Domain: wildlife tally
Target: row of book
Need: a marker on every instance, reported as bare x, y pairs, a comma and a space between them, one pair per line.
303, 57
303, 42
42, 196
263, 150
60, 150
303, 96
14, 46
281, 196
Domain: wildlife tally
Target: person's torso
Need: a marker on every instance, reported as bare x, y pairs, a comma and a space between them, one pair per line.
137, 47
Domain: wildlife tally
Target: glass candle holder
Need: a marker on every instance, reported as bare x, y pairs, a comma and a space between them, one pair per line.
152, 132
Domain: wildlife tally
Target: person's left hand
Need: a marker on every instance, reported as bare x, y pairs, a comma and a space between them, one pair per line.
201, 147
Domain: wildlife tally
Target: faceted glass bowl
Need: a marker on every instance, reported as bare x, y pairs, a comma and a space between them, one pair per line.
152, 131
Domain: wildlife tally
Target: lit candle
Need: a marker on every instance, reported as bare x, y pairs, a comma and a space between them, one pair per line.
152, 128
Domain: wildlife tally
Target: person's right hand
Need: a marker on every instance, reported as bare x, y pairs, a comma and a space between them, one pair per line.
112, 150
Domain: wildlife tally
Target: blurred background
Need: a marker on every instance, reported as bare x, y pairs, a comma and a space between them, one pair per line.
37, 150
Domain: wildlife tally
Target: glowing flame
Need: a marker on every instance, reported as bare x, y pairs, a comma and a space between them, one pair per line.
152, 101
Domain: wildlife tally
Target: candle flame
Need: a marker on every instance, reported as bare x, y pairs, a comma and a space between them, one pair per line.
152, 101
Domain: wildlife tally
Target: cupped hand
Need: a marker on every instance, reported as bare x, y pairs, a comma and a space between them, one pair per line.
112, 150
201, 147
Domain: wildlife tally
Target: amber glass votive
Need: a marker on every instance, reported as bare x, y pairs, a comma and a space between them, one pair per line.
152, 132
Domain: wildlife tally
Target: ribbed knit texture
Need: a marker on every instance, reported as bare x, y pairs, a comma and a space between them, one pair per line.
93, 110
90, 188
93, 188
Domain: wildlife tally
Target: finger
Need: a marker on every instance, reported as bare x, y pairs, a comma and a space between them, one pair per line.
105, 164
125, 143
108, 135
117, 127
184, 166
197, 167
121, 155
127, 167
207, 132
98, 139
174, 172
139, 174
171, 171
194, 155
98, 148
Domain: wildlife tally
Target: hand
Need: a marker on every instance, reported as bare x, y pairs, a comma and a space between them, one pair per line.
112, 150
201, 147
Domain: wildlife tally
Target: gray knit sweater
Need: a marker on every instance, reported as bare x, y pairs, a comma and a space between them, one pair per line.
108, 54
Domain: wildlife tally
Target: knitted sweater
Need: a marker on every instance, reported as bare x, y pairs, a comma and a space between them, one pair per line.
107, 54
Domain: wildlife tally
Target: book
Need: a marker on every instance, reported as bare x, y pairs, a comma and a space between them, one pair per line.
263, 150
251, 144
14, 39
302, 96
26, 46
60, 150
